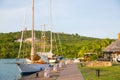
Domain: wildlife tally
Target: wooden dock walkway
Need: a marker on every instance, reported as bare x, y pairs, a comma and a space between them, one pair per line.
67, 72
71, 72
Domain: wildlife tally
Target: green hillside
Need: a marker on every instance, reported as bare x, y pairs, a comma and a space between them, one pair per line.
68, 45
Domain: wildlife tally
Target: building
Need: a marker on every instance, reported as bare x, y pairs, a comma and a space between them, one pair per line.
27, 40
112, 51
30, 40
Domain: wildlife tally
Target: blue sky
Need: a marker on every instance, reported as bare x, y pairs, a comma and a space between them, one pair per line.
92, 18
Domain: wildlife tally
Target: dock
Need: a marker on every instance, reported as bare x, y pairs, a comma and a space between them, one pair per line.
67, 72
71, 72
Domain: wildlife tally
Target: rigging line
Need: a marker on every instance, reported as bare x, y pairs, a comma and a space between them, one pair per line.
60, 43
56, 43
43, 38
21, 40
51, 24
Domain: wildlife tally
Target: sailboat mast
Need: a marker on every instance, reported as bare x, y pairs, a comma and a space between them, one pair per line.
51, 23
43, 39
22, 36
44, 36
32, 45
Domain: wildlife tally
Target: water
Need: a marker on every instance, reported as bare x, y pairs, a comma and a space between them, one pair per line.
9, 69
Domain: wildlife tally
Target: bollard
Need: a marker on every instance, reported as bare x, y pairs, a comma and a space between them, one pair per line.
60, 65
63, 64
66, 62
97, 72
47, 72
55, 67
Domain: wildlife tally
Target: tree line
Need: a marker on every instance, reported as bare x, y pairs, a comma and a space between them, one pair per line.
68, 45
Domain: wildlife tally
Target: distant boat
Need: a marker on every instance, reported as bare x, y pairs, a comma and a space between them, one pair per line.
51, 57
32, 66
43, 52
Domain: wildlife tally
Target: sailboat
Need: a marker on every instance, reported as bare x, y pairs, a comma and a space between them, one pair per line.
51, 57
32, 67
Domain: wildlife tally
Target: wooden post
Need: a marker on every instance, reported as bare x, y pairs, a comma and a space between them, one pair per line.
37, 74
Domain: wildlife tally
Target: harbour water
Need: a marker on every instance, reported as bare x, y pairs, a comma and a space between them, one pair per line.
9, 69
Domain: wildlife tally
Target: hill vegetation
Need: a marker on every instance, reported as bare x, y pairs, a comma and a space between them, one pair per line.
68, 45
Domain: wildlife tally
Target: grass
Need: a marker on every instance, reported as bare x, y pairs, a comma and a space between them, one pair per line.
106, 73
